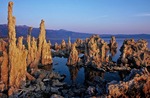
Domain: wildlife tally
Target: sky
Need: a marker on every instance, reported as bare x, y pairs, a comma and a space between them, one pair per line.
87, 16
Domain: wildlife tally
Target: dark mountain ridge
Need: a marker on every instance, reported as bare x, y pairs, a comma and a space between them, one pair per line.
58, 35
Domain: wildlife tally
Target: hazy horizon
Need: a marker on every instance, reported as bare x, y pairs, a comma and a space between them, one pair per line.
86, 16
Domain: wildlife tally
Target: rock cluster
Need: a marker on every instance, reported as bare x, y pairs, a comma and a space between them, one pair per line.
22, 73
95, 51
134, 53
137, 86
15, 57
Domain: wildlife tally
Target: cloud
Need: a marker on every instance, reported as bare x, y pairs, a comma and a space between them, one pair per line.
143, 15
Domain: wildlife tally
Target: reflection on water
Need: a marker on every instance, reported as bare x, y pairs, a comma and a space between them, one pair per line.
80, 75
90, 74
73, 74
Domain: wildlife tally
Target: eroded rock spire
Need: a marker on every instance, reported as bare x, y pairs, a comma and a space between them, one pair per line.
16, 54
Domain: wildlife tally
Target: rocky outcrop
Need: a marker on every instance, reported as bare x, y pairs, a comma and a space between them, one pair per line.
42, 53
73, 57
113, 46
134, 54
95, 51
137, 87
17, 55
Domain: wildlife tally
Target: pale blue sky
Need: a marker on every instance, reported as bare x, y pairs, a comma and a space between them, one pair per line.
91, 16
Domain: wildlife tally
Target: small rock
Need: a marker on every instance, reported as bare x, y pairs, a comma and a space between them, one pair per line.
56, 96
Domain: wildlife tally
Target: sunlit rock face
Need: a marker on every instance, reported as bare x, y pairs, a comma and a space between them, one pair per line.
63, 44
95, 51
3, 66
134, 53
17, 54
113, 46
46, 53
73, 57
138, 86
42, 52
29, 58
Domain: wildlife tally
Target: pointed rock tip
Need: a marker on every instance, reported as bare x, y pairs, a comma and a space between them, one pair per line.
10, 3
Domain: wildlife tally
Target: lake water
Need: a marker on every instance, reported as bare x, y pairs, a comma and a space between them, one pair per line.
79, 75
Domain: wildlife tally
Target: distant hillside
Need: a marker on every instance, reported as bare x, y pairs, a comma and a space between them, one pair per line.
58, 35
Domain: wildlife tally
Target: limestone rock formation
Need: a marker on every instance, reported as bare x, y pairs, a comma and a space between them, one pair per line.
137, 87
46, 53
29, 59
42, 53
46, 49
134, 53
63, 44
95, 51
3, 65
73, 57
113, 46
17, 55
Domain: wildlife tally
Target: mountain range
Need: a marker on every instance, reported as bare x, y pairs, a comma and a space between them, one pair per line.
58, 35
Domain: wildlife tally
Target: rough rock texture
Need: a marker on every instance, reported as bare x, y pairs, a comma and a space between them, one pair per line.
137, 87
46, 49
73, 57
95, 51
43, 53
17, 55
46, 53
3, 65
113, 46
134, 53
29, 59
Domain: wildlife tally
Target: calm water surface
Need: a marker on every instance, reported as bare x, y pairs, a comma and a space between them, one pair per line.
78, 74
